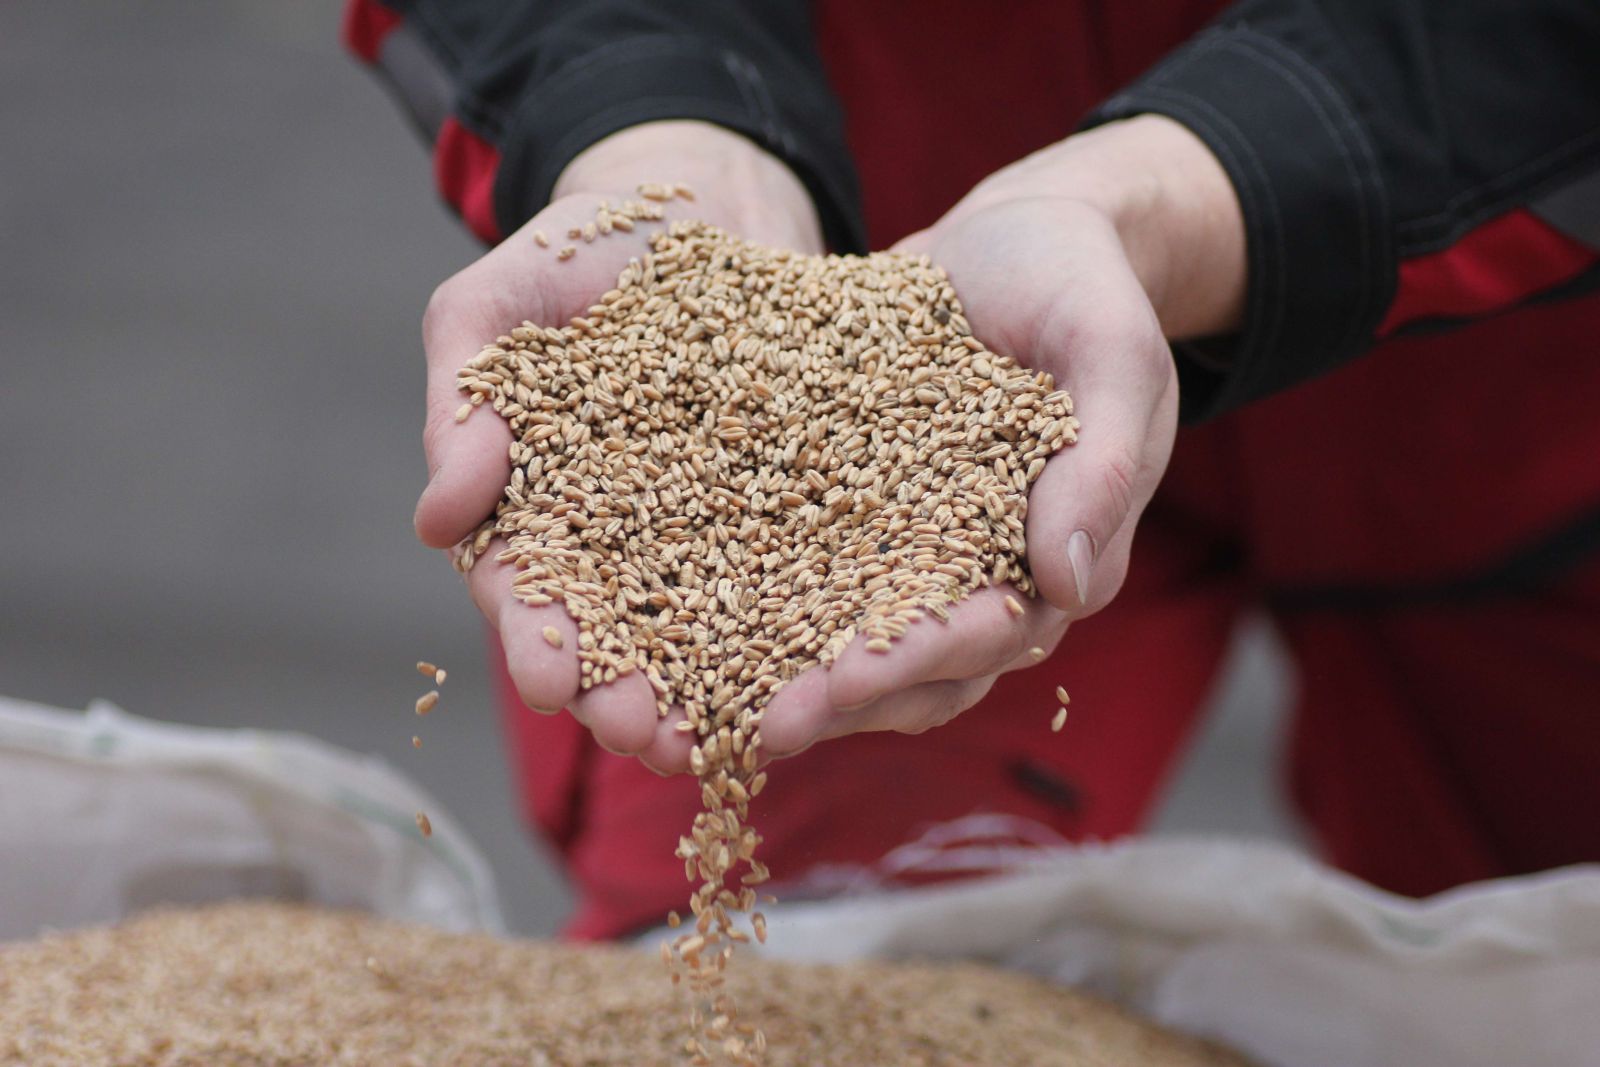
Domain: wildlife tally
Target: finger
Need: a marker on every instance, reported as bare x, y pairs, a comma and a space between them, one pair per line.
621, 715
796, 714
1047, 634
668, 751
1085, 504
911, 711
468, 461
545, 674
981, 637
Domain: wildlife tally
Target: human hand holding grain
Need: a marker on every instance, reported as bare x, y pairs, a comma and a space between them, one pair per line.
737, 185
1080, 260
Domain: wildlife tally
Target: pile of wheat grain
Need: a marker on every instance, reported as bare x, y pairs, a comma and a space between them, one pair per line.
257, 985
736, 463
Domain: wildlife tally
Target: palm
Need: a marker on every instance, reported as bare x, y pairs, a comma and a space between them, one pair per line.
470, 463
1046, 282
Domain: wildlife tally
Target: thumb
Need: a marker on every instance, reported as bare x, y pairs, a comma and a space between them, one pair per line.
1084, 507
520, 279
467, 447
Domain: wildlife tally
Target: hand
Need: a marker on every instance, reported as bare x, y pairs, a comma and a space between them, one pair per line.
1075, 260
737, 186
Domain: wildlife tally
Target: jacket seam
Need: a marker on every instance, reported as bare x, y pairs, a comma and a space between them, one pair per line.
1451, 222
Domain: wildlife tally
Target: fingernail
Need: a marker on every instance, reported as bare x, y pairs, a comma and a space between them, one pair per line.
1080, 553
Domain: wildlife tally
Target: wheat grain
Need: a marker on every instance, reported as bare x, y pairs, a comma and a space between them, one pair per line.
259, 985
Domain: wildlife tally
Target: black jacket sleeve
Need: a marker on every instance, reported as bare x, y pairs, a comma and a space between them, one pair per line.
1403, 166
511, 91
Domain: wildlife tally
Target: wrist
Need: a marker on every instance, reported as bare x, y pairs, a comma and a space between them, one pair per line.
737, 184
1175, 211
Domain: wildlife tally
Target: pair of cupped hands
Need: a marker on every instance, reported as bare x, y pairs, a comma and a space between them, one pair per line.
1080, 260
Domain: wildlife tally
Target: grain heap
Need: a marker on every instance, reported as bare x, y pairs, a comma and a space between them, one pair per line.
256, 985
733, 465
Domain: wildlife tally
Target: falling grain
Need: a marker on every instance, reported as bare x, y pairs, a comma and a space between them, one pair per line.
426, 701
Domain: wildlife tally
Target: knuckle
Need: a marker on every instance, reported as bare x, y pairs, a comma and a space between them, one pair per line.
1016, 638
438, 305
434, 427
443, 307
944, 702
1119, 478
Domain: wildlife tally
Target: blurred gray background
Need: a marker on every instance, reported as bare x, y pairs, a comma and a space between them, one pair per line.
216, 239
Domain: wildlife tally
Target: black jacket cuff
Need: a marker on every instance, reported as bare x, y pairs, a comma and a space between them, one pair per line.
666, 76
1315, 212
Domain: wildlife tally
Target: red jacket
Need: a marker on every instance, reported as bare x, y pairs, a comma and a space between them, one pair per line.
1419, 181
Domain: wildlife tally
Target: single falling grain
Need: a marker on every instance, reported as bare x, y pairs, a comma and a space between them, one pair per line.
416, 742
439, 676
426, 702
424, 825
1061, 695
1059, 721
426, 669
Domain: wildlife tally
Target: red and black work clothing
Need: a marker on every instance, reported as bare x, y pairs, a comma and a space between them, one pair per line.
1419, 181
